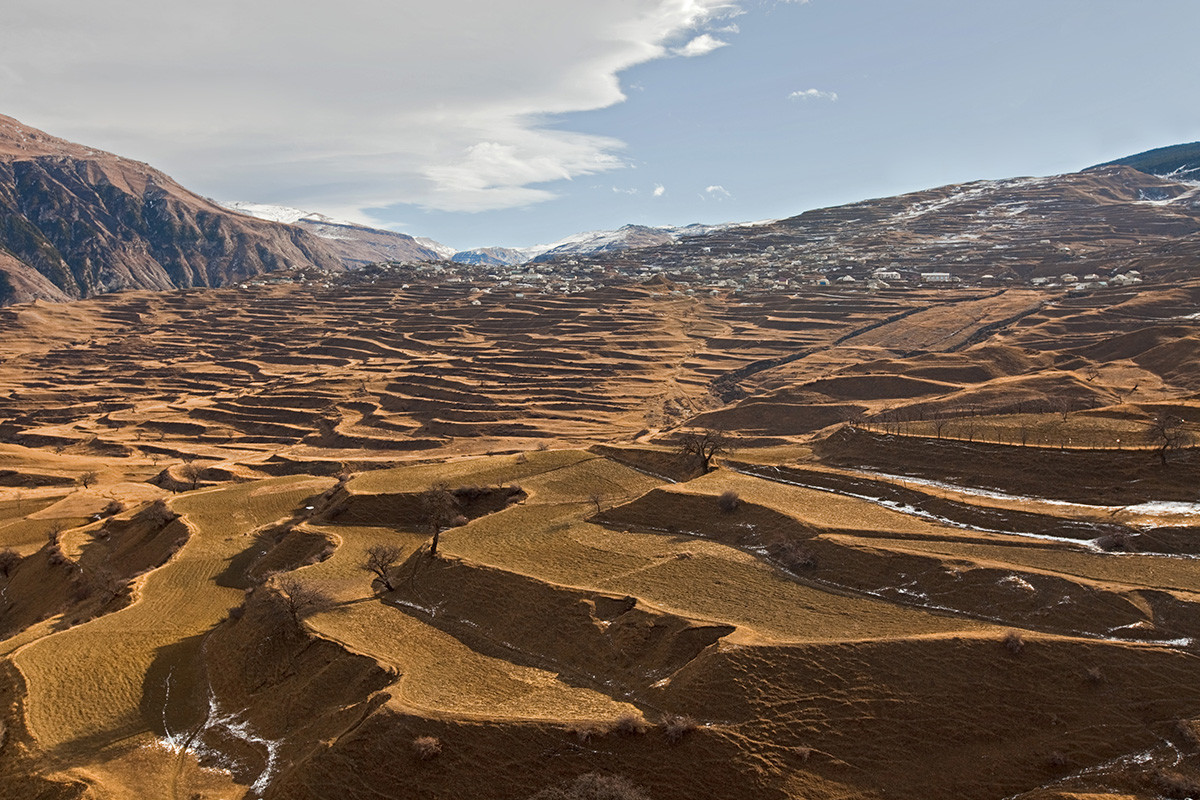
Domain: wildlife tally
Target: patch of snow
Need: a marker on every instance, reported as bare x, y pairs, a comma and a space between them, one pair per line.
284, 214
1018, 582
1165, 508
231, 724
443, 250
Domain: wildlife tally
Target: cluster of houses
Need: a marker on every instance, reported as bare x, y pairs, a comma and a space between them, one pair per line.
772, 269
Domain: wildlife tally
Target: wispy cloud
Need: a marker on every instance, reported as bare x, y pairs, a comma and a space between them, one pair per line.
229, 106
659, 190
716, 192
701, 45
813, 94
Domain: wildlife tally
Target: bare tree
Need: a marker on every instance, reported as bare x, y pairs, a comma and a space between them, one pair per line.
596, 498
88, 478
298, 599
380, 560
703, 446
441, 511
1167, 433
191, 472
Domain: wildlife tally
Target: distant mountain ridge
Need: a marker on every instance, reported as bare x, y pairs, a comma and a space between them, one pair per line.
362, 244
627, 237
354, 243
77, 222
1177, 162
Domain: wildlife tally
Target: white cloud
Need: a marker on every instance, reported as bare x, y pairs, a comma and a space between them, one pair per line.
701, 45
813, 94
619, 190
717, 192
659, 190
341, 107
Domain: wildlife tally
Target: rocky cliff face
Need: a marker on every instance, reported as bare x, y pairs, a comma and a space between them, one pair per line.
77, 222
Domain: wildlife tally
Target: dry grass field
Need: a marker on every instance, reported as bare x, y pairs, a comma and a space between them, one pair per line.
948, 547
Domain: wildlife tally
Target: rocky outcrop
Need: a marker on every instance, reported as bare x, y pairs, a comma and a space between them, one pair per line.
77, 222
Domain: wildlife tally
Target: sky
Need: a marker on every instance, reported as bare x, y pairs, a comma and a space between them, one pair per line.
518, 122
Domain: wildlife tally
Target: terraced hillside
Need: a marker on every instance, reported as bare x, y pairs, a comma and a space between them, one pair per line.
373, 371
416, 541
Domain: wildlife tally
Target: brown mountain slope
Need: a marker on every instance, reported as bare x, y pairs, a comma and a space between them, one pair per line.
359, 244
77, 222
1103, 221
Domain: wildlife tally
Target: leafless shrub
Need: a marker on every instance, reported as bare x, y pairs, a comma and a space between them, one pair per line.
795, 556
55, 556
106, 585
1013, 642
160, 513
594, 786
427, 748
9, 559
729, 501
114, 507
677, 726
804, 752
1118, 542
321, 555
470, 494
630, 724
1094, 675
88, 478
586, 731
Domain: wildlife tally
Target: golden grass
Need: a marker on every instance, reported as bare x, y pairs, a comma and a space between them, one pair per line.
152, 771
22, 505
439, 674
679, 574
471, 471
87, 682
818, 509
29, 535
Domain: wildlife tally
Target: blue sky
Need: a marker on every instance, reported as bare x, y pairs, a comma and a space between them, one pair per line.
509, 123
